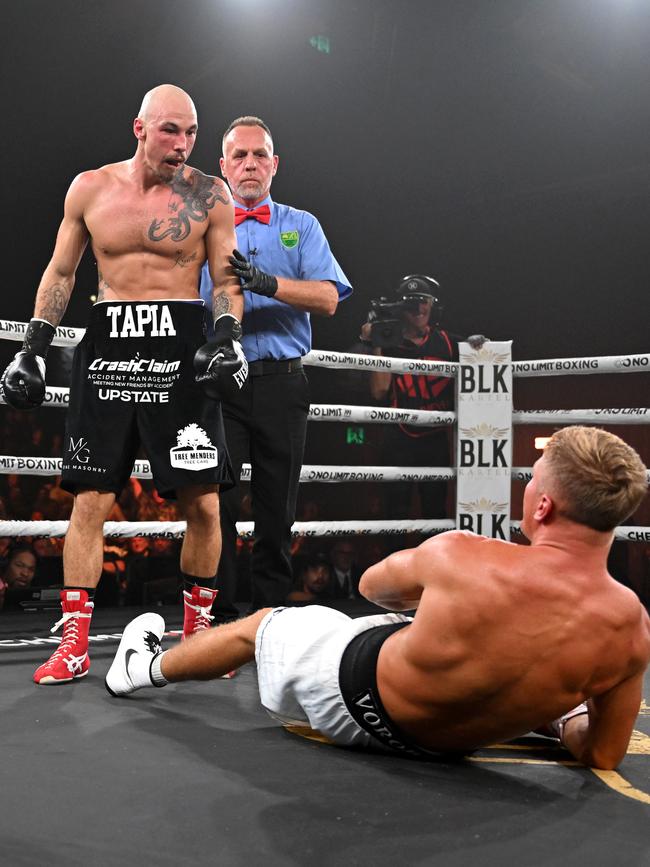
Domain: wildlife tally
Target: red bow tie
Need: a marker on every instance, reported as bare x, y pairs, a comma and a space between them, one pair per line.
261, 214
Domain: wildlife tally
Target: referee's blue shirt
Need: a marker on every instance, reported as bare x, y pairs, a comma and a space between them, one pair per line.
292, 245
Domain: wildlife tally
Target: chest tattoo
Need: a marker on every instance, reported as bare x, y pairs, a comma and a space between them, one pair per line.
183, 261
198, 194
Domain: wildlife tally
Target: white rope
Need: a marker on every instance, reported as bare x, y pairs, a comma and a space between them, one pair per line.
316, 473
176, 529
65, 336
33, 466
387, 415
596, 364
321, 412
383, 363
625, 415
54, 396
379, 415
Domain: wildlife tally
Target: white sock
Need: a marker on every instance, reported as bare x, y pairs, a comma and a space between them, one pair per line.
156, 677
139, 670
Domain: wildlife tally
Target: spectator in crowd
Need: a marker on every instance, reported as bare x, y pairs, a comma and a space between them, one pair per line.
314, 582
17, 575
5, 547
345, 570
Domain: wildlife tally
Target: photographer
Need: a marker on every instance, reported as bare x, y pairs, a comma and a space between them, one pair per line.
409, 327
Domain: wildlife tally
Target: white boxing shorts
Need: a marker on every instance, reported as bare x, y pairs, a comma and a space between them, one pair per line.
298, 653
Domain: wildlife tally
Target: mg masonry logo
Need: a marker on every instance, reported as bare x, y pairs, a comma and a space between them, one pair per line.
194, 450
79, 451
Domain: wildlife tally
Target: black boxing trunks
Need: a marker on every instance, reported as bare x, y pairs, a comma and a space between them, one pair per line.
133, 384
358, 684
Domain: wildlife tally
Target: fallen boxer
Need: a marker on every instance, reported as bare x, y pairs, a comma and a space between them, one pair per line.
506, 638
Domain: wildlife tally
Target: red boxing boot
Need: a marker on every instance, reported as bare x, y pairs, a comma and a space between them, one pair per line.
197, 617
70, 660
197, 607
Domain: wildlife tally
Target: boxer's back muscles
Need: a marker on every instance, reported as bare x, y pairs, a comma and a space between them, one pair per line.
505, 638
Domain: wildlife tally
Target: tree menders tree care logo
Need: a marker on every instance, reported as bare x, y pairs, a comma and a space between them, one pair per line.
194, 450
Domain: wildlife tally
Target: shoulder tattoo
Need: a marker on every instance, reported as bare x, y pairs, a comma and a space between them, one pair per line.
198, 194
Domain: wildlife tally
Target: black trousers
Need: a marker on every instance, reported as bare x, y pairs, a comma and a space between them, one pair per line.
266, 424
433, 450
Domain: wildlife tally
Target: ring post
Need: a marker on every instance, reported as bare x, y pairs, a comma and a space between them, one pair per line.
484, 439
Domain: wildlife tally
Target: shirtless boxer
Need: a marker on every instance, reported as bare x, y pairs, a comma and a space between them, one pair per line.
152, 221
505, 639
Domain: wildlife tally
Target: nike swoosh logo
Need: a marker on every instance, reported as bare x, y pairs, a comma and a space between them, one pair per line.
127, 656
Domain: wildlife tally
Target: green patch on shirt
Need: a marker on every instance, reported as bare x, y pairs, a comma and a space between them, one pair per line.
289, 239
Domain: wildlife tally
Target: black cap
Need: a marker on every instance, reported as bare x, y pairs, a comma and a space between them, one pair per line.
421, 284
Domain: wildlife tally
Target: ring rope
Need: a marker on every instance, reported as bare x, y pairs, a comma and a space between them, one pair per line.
59, 396
606, 364
623, 415
245, 529
638, 363
39, 466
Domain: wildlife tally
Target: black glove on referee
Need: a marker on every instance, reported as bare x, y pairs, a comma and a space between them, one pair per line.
252, 278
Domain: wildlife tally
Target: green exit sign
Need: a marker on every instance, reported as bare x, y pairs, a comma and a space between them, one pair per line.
355, 436
320, 43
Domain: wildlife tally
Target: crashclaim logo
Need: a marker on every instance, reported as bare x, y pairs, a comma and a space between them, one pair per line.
193, 451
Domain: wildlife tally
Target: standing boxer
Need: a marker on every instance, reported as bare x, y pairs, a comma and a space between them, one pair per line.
152, 221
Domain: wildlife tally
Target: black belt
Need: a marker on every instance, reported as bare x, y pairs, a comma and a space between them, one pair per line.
269, 365
358, 684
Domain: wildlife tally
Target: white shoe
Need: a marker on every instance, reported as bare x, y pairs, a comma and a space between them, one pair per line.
139, 646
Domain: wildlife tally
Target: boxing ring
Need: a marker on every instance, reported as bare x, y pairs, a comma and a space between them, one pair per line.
205, 756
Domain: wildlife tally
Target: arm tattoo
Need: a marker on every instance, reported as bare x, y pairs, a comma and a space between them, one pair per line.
220, 303
53, 302
199, 193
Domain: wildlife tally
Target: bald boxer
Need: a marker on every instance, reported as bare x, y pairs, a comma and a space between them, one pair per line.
144, 373
505, 639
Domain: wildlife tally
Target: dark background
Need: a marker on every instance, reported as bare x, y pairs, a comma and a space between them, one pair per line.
501, 147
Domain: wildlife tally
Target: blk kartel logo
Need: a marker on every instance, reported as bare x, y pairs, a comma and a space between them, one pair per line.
194, 450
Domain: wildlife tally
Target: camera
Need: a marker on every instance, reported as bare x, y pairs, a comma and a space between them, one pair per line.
385, 317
